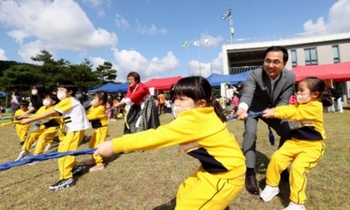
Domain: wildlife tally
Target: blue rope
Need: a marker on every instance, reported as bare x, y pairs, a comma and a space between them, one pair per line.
53, 155
46, 156
257, 114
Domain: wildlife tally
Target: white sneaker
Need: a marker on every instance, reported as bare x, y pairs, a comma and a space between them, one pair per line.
34, 144
294, 206
268, 193
47, 148
23, 155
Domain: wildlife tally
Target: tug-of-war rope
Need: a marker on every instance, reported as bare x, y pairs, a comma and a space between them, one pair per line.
52, 155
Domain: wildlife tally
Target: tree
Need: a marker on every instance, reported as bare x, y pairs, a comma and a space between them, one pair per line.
20, 77
105, 73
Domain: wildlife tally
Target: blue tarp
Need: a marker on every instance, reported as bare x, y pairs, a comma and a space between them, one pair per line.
216, 79
111, 88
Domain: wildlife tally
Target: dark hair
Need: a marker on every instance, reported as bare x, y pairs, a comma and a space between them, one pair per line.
172, 93
102, 96
198, 88
277, 49
16, 92
52, 97
135, 75
37, 100
24, 103
317, 85
69, 85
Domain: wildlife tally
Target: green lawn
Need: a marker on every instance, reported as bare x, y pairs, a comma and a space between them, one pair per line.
149, 180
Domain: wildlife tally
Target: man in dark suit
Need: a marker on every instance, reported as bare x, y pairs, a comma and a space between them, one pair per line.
266, 87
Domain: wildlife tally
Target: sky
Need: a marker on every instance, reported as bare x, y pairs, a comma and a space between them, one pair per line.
147, 36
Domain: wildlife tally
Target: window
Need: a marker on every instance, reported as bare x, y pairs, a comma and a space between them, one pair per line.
294, 58
336, 54
310, 56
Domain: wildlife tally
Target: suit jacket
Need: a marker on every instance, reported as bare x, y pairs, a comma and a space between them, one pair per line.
257, 90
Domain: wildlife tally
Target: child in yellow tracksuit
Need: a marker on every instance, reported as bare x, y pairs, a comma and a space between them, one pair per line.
305, 148
46, 132
98, 118
76, 122
200, 129
22, 130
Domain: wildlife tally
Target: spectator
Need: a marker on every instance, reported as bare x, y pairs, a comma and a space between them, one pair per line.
337, 105
16, 99
143, 113
161, 99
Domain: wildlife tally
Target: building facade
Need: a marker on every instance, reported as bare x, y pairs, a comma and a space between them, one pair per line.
303, 50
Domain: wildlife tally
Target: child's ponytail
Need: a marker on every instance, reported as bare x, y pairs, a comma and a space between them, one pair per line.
218, 110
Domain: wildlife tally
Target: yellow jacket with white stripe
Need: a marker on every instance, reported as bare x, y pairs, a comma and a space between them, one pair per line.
97, 116
201, 134
308, 117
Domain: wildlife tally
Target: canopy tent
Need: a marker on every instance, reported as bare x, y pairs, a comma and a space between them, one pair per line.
162, 84
111, 88
335, 72
3, 94
216, 79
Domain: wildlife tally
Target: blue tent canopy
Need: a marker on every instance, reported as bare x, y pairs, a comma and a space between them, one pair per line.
111, 88
3, 94
216, 79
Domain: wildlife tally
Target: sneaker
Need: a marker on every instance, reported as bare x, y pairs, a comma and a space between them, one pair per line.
97, 168
78, 169
23, 155
63, 183
268, 193
294, 206
34, 144
90, 162
34, 162
47, 148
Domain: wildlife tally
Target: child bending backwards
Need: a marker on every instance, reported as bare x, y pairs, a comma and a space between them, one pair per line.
22, 130
200, 129
76, 122
98, 118
306, 146
46, 131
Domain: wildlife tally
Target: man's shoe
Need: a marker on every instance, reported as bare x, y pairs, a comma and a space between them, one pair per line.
251, 185
63, 183
268, 193
78, 169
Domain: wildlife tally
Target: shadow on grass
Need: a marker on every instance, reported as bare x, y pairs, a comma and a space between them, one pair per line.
26, 179
167, 206
171, 205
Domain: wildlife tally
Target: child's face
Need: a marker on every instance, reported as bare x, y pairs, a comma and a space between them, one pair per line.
96, 101
48, 102
303, 88
24, 108
184, 102
63, 93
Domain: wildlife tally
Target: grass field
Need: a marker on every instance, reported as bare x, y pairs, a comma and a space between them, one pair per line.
149, 180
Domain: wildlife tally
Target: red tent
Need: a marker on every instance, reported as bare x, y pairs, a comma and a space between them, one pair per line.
162, 83
336, 71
